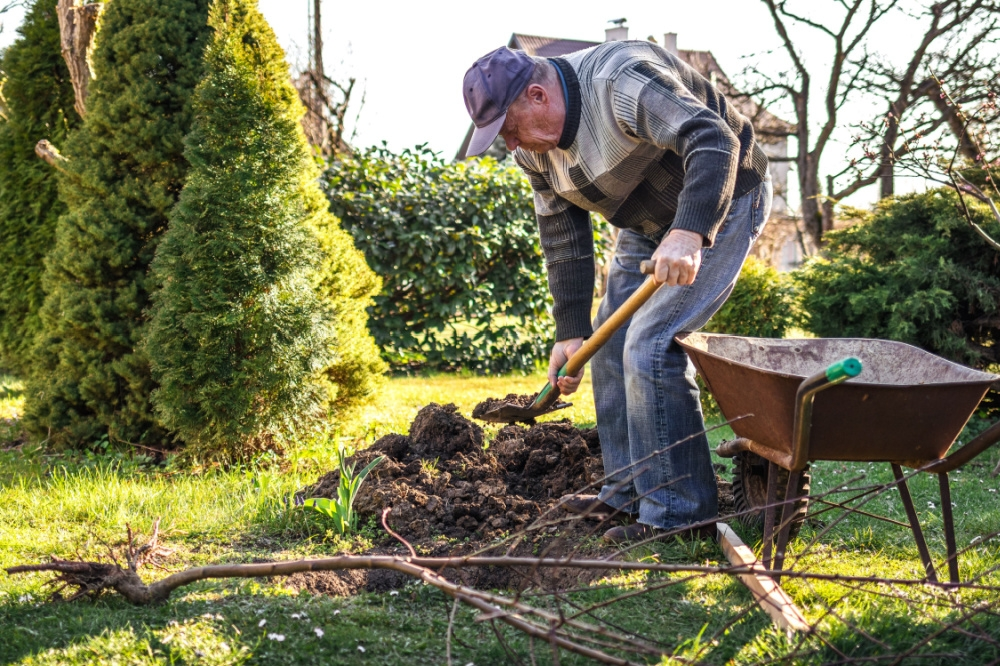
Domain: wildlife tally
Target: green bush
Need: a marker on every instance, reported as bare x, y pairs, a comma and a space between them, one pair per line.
39, 105
914, 271
458, 250
90, 377
238, 337
762, 304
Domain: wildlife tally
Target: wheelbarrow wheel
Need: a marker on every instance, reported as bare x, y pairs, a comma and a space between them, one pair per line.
750, 473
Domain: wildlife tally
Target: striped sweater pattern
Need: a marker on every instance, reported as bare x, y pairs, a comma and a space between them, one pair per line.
649, 144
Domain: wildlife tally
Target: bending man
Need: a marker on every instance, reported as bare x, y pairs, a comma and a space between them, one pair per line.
627, 130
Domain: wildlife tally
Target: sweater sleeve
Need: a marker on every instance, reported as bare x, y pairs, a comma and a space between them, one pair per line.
651, 103
568, 245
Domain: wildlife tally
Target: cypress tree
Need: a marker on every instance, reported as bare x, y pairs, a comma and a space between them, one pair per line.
90, 376
238, 337
39, 105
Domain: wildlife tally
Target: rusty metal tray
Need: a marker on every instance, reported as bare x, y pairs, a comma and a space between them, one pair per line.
907, 406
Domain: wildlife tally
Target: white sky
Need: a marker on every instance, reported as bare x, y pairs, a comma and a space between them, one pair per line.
409, 57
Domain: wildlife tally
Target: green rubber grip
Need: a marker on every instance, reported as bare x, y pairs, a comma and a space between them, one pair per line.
845, 369
548, 387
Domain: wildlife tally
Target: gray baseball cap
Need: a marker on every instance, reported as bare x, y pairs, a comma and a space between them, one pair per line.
491, 86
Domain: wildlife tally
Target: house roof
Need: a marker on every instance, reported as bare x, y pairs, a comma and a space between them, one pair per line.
769, 128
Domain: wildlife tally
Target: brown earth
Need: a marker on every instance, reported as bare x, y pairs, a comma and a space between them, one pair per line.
490, 404
451, 496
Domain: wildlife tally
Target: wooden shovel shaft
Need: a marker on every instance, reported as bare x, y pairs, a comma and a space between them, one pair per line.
614, 322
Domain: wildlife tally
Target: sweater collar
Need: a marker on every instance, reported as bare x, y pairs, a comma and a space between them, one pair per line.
572, 90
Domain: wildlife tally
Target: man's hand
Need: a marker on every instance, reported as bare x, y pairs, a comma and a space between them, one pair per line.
678, 257
561, 353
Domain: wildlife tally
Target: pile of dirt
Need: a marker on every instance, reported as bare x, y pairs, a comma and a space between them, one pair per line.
450, 495
441, 481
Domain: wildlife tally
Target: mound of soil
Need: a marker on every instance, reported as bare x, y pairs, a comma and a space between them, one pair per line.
451, 496
440, 481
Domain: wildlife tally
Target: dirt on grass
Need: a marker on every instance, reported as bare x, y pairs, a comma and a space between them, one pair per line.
451, 496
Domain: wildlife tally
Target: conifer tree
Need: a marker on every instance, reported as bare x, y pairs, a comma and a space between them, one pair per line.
39, 105
90, 376
238, 337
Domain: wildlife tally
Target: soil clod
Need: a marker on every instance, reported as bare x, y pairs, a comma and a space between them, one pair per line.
491, 404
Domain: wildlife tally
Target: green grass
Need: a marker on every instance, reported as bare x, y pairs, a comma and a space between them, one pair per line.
76, 506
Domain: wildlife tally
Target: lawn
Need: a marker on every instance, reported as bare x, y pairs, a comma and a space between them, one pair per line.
77, 506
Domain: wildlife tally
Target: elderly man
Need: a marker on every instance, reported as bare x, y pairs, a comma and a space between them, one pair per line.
627, 130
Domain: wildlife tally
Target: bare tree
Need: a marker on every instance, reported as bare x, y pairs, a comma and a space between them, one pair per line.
326, 100
974, 150
954, 55
951, 43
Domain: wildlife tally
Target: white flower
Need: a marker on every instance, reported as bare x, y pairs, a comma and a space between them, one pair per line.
336, 612
976, 540
276, 637
262, 623
319, 632
992, 490
296, 616
394, 593
361, 648
930, 505
25, 598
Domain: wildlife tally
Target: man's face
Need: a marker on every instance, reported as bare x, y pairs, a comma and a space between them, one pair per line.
532, 123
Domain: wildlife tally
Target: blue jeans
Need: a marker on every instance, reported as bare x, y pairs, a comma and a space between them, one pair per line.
644, 385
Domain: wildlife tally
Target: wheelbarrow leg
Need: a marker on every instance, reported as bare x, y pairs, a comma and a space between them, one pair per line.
949, 527
769, 511
787, 515
911, 514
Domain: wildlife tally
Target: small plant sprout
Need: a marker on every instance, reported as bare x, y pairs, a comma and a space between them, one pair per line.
430, 467
341, 509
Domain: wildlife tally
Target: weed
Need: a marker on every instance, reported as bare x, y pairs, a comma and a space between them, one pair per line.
430, 467
341, 509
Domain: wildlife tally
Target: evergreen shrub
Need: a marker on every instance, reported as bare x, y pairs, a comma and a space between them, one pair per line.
90, 376
39, 105
912, 270
238, 338
457, 247
762, 305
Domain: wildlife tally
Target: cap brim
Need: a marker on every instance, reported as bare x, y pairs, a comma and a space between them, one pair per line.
482, 137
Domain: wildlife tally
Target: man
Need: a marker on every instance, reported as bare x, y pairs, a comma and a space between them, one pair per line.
627, 130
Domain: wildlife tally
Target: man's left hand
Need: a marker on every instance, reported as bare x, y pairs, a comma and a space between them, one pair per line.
678, 257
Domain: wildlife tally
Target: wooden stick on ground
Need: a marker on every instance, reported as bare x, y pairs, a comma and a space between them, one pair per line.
768, 594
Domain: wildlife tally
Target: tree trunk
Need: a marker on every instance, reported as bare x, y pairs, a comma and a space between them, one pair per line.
77, 25
812, 217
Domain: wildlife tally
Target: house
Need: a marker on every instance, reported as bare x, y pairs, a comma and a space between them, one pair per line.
781, 242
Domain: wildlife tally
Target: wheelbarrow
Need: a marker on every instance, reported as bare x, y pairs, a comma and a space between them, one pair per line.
799, 403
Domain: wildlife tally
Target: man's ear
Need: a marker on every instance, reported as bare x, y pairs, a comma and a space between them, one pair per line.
537, 94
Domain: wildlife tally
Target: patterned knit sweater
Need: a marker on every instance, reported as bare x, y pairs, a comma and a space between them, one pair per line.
649, 144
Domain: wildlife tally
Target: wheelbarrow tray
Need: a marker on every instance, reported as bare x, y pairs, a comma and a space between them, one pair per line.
908, 405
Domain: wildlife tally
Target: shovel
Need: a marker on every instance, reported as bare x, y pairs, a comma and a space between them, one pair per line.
547, 399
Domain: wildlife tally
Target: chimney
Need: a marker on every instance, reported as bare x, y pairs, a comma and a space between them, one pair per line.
618, 33
670, 42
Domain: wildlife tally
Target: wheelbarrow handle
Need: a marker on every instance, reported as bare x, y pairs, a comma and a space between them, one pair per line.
603, 333
834, 374
964, 454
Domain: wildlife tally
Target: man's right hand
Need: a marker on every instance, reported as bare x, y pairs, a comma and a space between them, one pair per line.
561, 352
